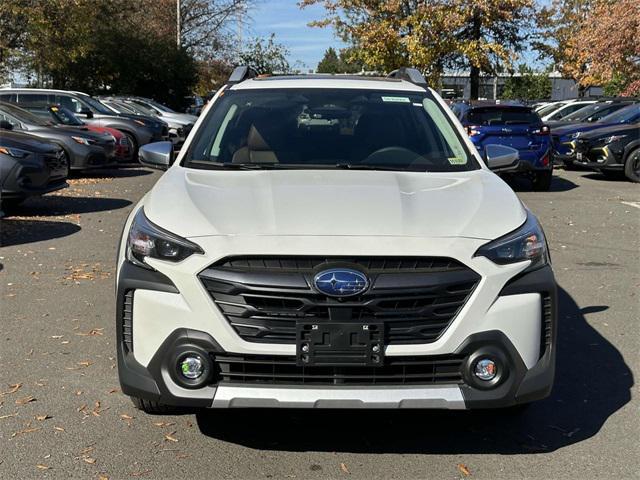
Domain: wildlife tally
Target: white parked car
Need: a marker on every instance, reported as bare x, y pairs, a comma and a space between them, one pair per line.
333, 241
566, 109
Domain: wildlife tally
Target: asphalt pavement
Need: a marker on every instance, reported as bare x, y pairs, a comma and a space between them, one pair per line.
62, 414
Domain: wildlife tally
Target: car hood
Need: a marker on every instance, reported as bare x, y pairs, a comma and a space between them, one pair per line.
26, 142
183, 118
577, 127
194, 203
605, 130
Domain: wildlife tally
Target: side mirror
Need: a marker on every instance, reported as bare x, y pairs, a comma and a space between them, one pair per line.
501, 158
87, 113
4, 125
158, 155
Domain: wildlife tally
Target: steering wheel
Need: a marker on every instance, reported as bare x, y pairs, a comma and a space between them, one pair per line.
392, 156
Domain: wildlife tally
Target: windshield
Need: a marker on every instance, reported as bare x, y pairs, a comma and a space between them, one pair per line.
627, 114
25, 116
95, 104
139, 109
328, 128
547, 109
64, 116
502, 116
159, 106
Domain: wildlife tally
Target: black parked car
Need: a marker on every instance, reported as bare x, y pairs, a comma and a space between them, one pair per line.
82, 149
611, 150
29, 166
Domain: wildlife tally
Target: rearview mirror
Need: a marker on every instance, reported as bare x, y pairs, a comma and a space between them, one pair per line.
158, 155
5, 125
501, 158
87, 113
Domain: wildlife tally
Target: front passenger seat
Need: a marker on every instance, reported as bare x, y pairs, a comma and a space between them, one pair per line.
257, 150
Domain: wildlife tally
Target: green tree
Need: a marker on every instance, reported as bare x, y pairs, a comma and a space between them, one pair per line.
431, 35
265, 56
332, 62
528, 85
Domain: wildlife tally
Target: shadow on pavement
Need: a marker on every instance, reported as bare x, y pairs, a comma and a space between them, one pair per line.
592, 383
114, 173
521, 184
20, 231
54, 205
612, 177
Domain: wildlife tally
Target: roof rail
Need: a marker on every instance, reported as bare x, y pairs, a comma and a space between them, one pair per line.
412, 75
240, 74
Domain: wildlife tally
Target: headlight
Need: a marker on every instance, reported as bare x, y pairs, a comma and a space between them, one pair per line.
148, 240
526, 243
14, 152
613, 138
83, 140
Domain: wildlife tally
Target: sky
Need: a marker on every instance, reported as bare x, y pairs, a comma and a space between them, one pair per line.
290, 24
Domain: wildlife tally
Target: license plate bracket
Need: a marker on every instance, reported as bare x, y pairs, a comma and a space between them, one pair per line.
339, 344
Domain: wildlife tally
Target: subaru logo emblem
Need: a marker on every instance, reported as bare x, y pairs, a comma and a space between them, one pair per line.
341, 282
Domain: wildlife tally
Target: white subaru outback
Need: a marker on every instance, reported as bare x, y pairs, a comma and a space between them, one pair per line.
332, 241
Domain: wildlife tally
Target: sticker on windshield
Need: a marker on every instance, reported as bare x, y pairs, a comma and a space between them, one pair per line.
457, 161
396, 99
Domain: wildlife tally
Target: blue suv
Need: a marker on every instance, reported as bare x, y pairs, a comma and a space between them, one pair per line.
514, 126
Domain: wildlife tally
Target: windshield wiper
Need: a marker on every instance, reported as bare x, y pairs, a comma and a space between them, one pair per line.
205, 164
358, 166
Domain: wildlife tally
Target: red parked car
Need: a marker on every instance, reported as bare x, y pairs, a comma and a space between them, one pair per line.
63, 116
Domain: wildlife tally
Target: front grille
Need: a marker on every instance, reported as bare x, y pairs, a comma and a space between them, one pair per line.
371, 264
264, 297
57, 165
282, 370
127, 320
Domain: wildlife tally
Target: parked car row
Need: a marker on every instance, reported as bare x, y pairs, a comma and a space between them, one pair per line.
596, 134
45, 134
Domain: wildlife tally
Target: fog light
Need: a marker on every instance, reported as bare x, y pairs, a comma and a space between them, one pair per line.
191, 367
486, 369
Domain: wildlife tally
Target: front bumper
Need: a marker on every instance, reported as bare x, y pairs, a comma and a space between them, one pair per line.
601, 158
528, 375
36, 175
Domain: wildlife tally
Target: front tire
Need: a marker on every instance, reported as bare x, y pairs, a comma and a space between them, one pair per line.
542, 180
133, 145
632, 166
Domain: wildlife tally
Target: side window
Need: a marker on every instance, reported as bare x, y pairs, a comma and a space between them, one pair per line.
11, 120
8, 97
69, 102
33, 100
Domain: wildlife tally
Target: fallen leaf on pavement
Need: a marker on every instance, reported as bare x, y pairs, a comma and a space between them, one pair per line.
43, 417
25, 400
91, 333
170, 437
2, 417
13, 389
464, 469
26, 430
42, 467
163, 424
89, 460
344, 468
60, 429
124, 416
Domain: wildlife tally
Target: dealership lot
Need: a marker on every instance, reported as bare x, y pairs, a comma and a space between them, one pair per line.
61, 412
